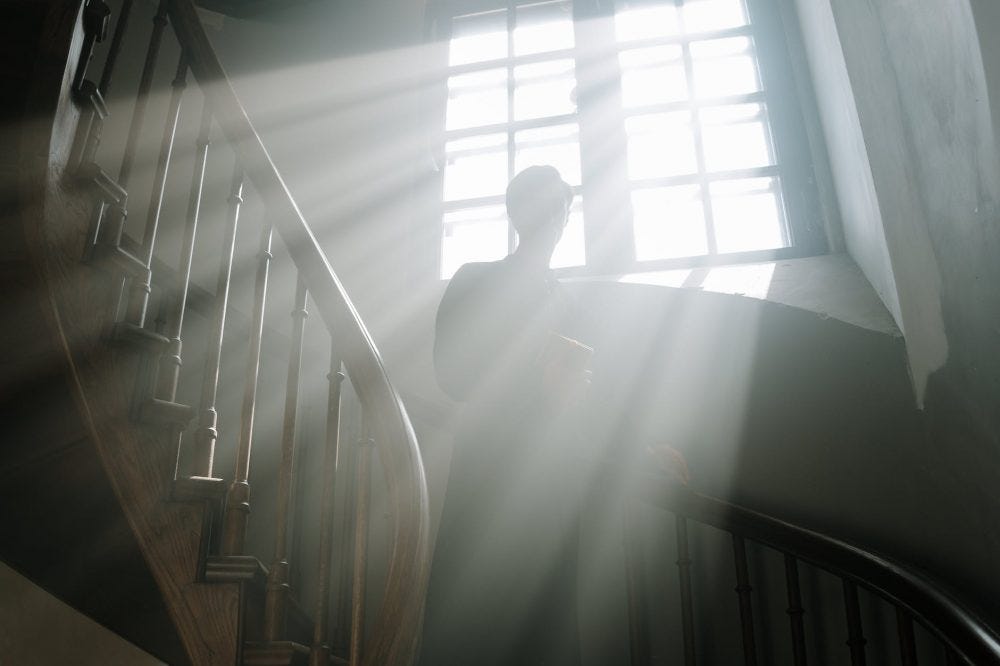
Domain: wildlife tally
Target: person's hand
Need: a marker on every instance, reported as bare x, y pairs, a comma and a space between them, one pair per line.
670, 461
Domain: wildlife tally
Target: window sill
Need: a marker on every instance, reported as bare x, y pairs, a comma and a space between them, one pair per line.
830, 285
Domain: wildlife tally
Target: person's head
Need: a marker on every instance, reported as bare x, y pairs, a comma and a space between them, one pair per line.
538, 203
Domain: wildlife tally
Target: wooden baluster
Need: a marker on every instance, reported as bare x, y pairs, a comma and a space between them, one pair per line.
855, 635
907, 641
795, 611
347, 480
170, 362
112, 236
207, 431
360, 566
139, 294
121, 25
638, 616
319, 655
743, 591
238, 497
277, 576
95, 26
687, 598
142, 95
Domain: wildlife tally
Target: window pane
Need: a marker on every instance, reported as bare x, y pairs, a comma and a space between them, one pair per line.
705, 15
473, 234
571, 250
558, 145
643, 21
735, 137
544, 89
660, 144
653, 76
478, 37
475, 167
477, 99
543, 27
724, 67
669, 222
747, 214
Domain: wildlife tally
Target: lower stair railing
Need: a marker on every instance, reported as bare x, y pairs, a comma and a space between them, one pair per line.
373, 429
950, 634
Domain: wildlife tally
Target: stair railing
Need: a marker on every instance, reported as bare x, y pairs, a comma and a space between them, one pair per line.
914, 599
392, 639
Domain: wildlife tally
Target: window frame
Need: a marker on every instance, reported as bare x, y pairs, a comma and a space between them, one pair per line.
608, 215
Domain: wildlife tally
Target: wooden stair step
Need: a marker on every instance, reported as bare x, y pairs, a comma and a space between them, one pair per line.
140, 338
163, 412
235, 569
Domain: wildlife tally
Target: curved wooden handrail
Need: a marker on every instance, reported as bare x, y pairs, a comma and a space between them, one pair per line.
396, 630
946, 618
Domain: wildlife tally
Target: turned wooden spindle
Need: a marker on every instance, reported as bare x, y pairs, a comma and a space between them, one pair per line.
171, 361
743, 592
207, 432
795, 611
276, 601
635, 588
114, 49
319, 655
141, 288
359, 567
96, 14
238, 498
684, 580
142, 95
855, 634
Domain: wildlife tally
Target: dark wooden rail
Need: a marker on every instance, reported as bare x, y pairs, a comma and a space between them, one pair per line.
916, 599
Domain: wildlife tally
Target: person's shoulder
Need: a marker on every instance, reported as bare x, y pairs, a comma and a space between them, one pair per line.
475, 272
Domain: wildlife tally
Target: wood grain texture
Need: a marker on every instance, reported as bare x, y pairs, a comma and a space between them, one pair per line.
77, 304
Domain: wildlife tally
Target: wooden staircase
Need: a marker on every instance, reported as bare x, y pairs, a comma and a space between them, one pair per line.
111, 471
106, 462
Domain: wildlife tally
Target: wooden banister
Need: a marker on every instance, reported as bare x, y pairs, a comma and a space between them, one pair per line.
396, 629
918, 598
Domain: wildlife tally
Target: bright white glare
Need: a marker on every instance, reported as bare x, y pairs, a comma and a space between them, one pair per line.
705, 15
544, 89
478, 38
557, 145
724, 67
571, 250
735, 145
676, 278
542, 28
669, 222
475, 167
645, 22
477, 98
653, 75
746, 214
660, 144
753, 280
473, 234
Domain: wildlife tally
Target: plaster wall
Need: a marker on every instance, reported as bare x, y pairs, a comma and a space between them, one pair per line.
852, 175
36, 629
923, 75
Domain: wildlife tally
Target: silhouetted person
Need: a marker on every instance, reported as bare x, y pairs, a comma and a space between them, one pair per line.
503, 580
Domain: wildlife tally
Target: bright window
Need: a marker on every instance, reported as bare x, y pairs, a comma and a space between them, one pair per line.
675, 106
